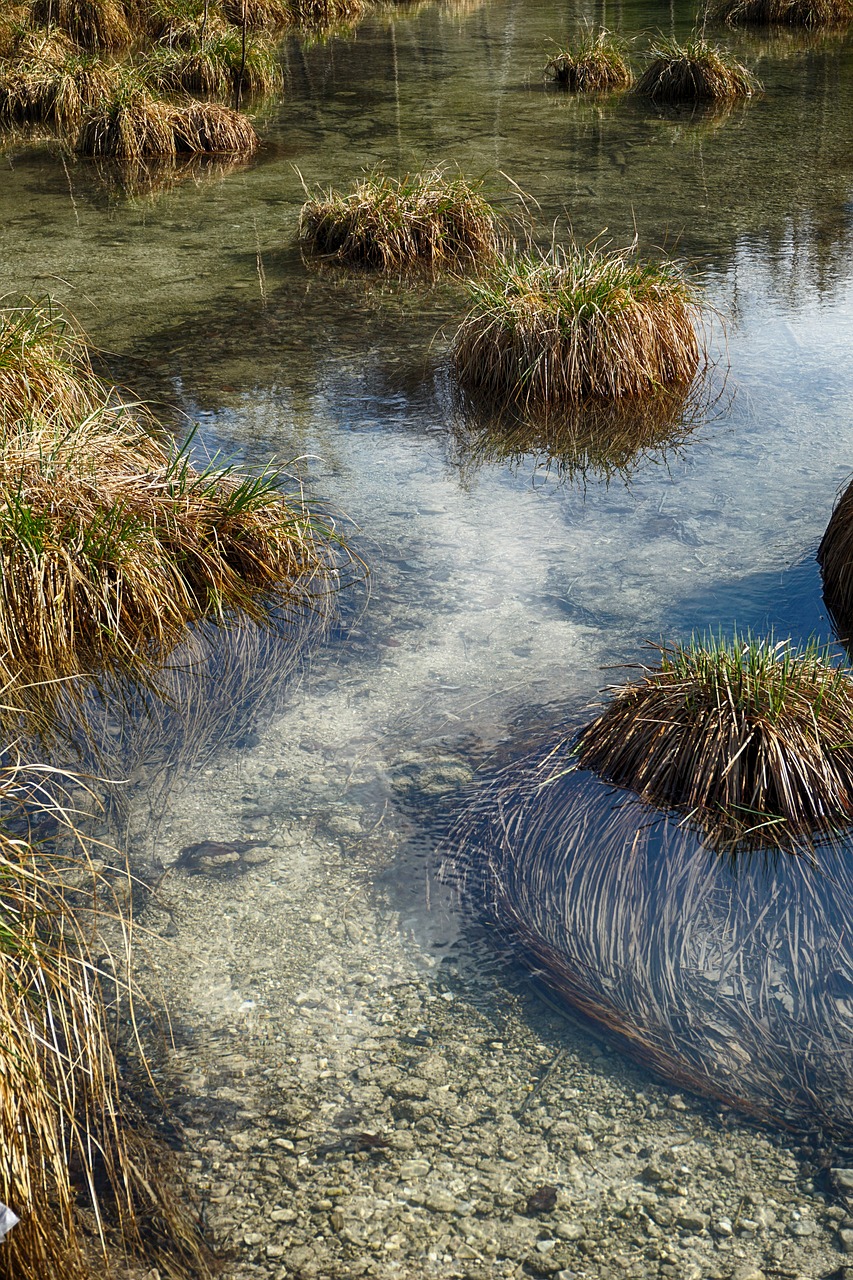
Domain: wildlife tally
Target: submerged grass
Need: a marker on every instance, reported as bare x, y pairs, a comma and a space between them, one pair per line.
721, 974
753, 739
424, 219
593, 63
555, 329
694, 71
790, 13
835, 557
85, 1182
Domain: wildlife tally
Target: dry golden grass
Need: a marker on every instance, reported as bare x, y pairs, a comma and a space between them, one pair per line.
111, 544
86, 1184
40, 90
835, 557
694, 72
592, 64
211, 129
424, 219
45, 368
132, 125
129, 125
215, 66
94, 24
790, 13
555, 329
753, 739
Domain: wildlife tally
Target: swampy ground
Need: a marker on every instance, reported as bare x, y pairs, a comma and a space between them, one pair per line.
362, 1087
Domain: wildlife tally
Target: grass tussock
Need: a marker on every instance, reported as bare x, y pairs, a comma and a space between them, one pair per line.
45, 368
555, 329
111, 544
214, 67
789, 13
85, 1183
261, 15
753, 739
426, 219
694, 72
93, 24
835, 557
133, 124
56, 94
593, 64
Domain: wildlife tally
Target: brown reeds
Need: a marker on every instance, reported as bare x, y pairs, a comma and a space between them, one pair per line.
835, 557
554, 329
131, 125
425, 219
694, 71
789, 13
85, 1180
42, 90
214, 67
111, 544
45, 367
727, 976
754, 740
592, 64
94, 24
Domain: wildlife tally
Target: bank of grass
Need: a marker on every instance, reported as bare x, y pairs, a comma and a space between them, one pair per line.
789, 13
752, 738
42, 91
694, 71
593, 63
87, 1182
112, 543
557, 328
132, 124
45, 366
92, 24
215, 66
428, 219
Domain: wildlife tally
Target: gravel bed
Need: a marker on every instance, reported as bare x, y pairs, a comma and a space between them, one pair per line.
360, 1094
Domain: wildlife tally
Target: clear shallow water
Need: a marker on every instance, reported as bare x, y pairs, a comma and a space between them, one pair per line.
497, 593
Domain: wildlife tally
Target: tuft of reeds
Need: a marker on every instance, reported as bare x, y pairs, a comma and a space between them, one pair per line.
45, 367
726, 975
260, 15
592, 64
555, 329
694, 72
132, 124
789, 13
94, 24
112, 544
214, 67
40, 90
209, 128
752, 738
424, 219
82, 1175
835, 557
129, 125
